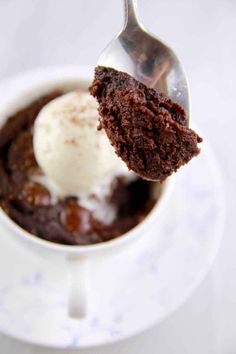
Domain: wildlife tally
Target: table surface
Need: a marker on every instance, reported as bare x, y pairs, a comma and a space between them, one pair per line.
37, 33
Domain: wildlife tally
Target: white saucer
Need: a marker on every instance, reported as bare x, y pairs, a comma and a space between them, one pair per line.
134, 290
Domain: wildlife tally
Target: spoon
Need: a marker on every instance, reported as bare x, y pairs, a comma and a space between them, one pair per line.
146, 58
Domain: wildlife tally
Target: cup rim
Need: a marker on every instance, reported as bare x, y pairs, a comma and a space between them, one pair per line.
52, 78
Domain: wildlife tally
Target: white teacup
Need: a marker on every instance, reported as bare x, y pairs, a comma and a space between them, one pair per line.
24, 89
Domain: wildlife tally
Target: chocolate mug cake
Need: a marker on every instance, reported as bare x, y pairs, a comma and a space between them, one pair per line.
62, 219
60, 178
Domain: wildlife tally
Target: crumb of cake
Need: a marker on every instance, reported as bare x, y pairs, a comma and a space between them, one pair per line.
147, 129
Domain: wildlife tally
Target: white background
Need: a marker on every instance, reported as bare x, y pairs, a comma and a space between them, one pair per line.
37, 33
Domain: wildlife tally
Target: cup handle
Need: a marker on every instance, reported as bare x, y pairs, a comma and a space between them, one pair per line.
78, 287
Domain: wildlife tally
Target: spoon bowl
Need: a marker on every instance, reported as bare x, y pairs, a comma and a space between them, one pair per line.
146, 58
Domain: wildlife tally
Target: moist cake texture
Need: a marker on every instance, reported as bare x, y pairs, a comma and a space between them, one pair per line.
147, 129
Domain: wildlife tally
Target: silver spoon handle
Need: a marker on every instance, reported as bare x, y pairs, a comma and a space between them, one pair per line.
130, 13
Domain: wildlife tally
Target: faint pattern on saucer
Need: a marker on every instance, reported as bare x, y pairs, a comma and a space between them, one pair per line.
131, 291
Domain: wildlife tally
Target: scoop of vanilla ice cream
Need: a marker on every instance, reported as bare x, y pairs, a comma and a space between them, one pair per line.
72, 153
